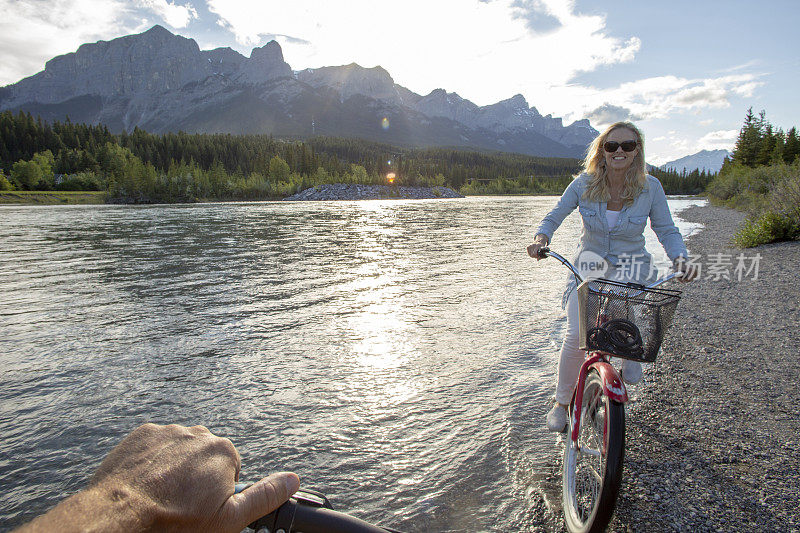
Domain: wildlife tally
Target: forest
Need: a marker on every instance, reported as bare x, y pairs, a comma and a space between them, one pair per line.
762, 177
140, 167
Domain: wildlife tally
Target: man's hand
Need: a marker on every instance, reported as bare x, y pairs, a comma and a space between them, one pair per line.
169, 478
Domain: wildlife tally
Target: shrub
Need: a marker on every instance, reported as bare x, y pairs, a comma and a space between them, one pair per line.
771, 194
5, 185
743, 187
82, 181
769, 227
26, 174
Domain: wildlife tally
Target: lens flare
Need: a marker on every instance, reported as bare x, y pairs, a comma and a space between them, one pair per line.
390, 177
385, 123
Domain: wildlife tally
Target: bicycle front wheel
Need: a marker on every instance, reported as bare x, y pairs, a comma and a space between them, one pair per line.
593, 466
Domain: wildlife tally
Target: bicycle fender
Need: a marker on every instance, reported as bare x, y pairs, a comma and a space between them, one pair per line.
613, 386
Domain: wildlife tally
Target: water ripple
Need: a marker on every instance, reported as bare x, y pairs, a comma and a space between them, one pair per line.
398, 355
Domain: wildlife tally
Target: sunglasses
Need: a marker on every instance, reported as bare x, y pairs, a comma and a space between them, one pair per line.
627, 146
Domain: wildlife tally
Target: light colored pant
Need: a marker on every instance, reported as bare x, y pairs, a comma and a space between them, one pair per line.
569, 363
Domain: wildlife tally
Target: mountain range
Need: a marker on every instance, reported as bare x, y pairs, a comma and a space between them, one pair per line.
162, 82
709, 160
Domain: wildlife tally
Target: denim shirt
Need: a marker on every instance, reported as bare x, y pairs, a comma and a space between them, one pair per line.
625, 240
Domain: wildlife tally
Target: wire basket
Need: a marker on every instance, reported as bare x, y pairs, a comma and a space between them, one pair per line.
612, 304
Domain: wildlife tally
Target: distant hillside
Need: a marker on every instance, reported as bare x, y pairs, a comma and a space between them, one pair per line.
162, 83
709, 160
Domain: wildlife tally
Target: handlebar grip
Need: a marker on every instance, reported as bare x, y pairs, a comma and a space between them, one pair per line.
544, 252
310, 512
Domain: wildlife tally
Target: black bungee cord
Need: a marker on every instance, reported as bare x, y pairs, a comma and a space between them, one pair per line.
618, 336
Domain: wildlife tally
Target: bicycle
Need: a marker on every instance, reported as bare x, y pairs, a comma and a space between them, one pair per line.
626, 320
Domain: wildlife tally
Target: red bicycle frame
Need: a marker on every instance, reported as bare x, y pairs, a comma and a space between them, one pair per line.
613, 387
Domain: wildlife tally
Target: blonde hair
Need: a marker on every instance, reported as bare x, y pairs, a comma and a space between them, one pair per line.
595, 165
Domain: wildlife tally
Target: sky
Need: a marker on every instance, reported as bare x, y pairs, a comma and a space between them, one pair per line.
685, 71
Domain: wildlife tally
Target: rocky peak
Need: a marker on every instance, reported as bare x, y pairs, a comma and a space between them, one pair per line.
516, 102
440, 103
352, 79
224, 61
512, 113
582, 123
440, 95
580, 133
159, 32
156, 79
153, 61
225, 54
269, 53
265, 63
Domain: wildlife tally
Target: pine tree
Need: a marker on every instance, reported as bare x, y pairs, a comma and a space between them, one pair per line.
791, 149
767, 144
748, 143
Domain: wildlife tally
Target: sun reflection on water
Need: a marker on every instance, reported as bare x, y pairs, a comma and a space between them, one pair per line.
379, 328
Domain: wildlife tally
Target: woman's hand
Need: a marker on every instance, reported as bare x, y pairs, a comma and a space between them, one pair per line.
688, 270
539, 242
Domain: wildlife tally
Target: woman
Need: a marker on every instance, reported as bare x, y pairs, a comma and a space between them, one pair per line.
615, 197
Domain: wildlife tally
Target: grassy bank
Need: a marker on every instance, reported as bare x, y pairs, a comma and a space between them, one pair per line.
52, 197
770, 194
762, 178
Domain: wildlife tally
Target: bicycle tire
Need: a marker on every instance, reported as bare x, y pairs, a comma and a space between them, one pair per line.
591, 480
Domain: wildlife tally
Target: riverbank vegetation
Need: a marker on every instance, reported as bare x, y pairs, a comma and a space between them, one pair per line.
52, 197
178, 167
762, 177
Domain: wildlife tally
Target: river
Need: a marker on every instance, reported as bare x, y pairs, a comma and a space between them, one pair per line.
398, 355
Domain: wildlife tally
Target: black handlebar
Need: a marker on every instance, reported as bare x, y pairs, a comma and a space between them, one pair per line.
311, 512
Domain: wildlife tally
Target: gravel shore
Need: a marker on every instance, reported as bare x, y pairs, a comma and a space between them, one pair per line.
713, 431
713, 439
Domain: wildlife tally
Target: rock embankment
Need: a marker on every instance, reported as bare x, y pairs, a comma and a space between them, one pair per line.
340, 191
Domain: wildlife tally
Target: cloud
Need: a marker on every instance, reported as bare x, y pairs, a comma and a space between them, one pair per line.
716, 140
743, 66
472, 46
33, 31
677, 144
700, 97
660, 97
284, 38
175, 15
609, 113
536, 15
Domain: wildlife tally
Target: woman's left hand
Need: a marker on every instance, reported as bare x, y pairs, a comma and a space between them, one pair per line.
688, 270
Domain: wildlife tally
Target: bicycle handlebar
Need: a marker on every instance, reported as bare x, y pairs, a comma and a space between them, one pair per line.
547, 252
311, 512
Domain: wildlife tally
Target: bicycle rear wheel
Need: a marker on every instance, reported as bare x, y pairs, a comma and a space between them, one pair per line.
593, 469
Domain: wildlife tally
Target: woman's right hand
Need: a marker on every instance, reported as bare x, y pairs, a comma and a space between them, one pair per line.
687, 270
539, 242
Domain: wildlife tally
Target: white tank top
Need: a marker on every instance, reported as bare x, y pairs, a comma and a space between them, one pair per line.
612, 217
